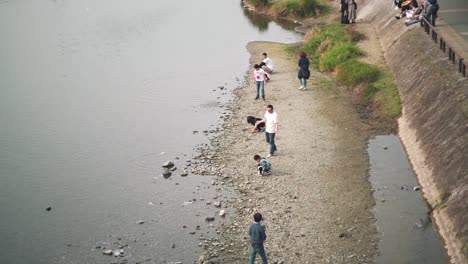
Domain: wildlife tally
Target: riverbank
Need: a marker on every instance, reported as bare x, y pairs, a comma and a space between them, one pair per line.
316, 204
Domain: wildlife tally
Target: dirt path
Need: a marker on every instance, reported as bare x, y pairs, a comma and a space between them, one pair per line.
316, 204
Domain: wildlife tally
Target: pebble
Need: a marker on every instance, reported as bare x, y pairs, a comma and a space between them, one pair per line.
209, 219
107, 252
118, 252
168, 164
222, 213
140, 222
167, 174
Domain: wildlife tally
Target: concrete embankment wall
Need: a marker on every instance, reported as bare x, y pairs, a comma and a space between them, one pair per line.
434, 123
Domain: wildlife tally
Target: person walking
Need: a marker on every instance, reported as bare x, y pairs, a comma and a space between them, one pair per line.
432, 12
304, 72
257, 238
271, 128
259, 77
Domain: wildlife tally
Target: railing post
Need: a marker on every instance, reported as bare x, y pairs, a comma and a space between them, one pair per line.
429, 29
460, 63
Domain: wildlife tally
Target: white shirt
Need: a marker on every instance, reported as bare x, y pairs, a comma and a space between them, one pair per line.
268, 62
271, 121
259, 75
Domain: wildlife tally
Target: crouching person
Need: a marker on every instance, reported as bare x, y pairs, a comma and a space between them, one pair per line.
263, 167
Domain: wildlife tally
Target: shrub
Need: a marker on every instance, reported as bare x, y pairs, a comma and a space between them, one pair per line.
302, 8
259, 2
337, 55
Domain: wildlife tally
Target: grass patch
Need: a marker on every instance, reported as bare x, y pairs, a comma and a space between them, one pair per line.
353, 72
301, 8
384, 95
338, 55
259, 2
333, 48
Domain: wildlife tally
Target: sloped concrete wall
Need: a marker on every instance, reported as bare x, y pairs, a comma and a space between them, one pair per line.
434, 123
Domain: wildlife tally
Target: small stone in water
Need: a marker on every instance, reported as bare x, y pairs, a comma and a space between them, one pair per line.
117, 252
167, 174
140, 222
107, 252
222, 213
168, 164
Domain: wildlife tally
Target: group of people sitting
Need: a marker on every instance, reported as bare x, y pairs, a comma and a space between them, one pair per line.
414, 11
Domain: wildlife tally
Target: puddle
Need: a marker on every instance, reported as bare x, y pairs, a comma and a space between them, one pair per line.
406, 233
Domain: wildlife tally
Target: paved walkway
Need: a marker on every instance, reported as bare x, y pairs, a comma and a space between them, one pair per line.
455, 14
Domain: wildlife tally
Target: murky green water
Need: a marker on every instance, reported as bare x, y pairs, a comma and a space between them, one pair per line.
92, 94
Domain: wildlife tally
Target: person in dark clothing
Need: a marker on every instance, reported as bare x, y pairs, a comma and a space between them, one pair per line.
344, 8
304, 73
431, 14
252, 120
257, 237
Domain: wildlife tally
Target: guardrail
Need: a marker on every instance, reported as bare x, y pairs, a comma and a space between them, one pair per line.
429, 29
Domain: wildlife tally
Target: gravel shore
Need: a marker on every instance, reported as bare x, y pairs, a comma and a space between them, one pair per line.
317, 201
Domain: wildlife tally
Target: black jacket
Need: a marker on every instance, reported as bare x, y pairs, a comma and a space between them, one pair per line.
303, 68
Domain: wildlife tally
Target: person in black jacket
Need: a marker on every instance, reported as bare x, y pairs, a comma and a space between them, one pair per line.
344, 8
304, 72
431, 14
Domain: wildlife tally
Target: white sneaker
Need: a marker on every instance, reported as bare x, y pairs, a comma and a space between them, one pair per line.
269, 156
302, 87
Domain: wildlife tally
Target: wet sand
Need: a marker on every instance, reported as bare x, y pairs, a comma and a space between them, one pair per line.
316, 203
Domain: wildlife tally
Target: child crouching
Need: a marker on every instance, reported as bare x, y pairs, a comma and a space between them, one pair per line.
263, 167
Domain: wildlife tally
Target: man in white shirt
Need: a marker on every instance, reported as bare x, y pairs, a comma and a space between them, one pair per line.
267, 65
271, 128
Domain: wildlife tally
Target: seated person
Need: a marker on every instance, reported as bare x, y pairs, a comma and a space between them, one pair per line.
263, 166
252, 120
406, 6
267, 65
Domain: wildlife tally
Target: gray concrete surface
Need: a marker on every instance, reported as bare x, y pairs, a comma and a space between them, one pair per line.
455, 14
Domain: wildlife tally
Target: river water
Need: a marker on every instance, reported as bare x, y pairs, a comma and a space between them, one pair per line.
406, 233
95, 96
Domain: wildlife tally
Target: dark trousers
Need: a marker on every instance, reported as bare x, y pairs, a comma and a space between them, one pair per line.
270, 138
431, 14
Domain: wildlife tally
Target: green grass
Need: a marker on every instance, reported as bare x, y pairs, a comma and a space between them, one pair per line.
259, 2
353, 72
332, 48
302, 8
338, 55
384, 94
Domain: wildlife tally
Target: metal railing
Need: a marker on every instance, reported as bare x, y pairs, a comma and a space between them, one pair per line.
452, 55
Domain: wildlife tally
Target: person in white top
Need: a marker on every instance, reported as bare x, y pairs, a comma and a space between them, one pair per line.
267, 65
271, 128
259, 77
